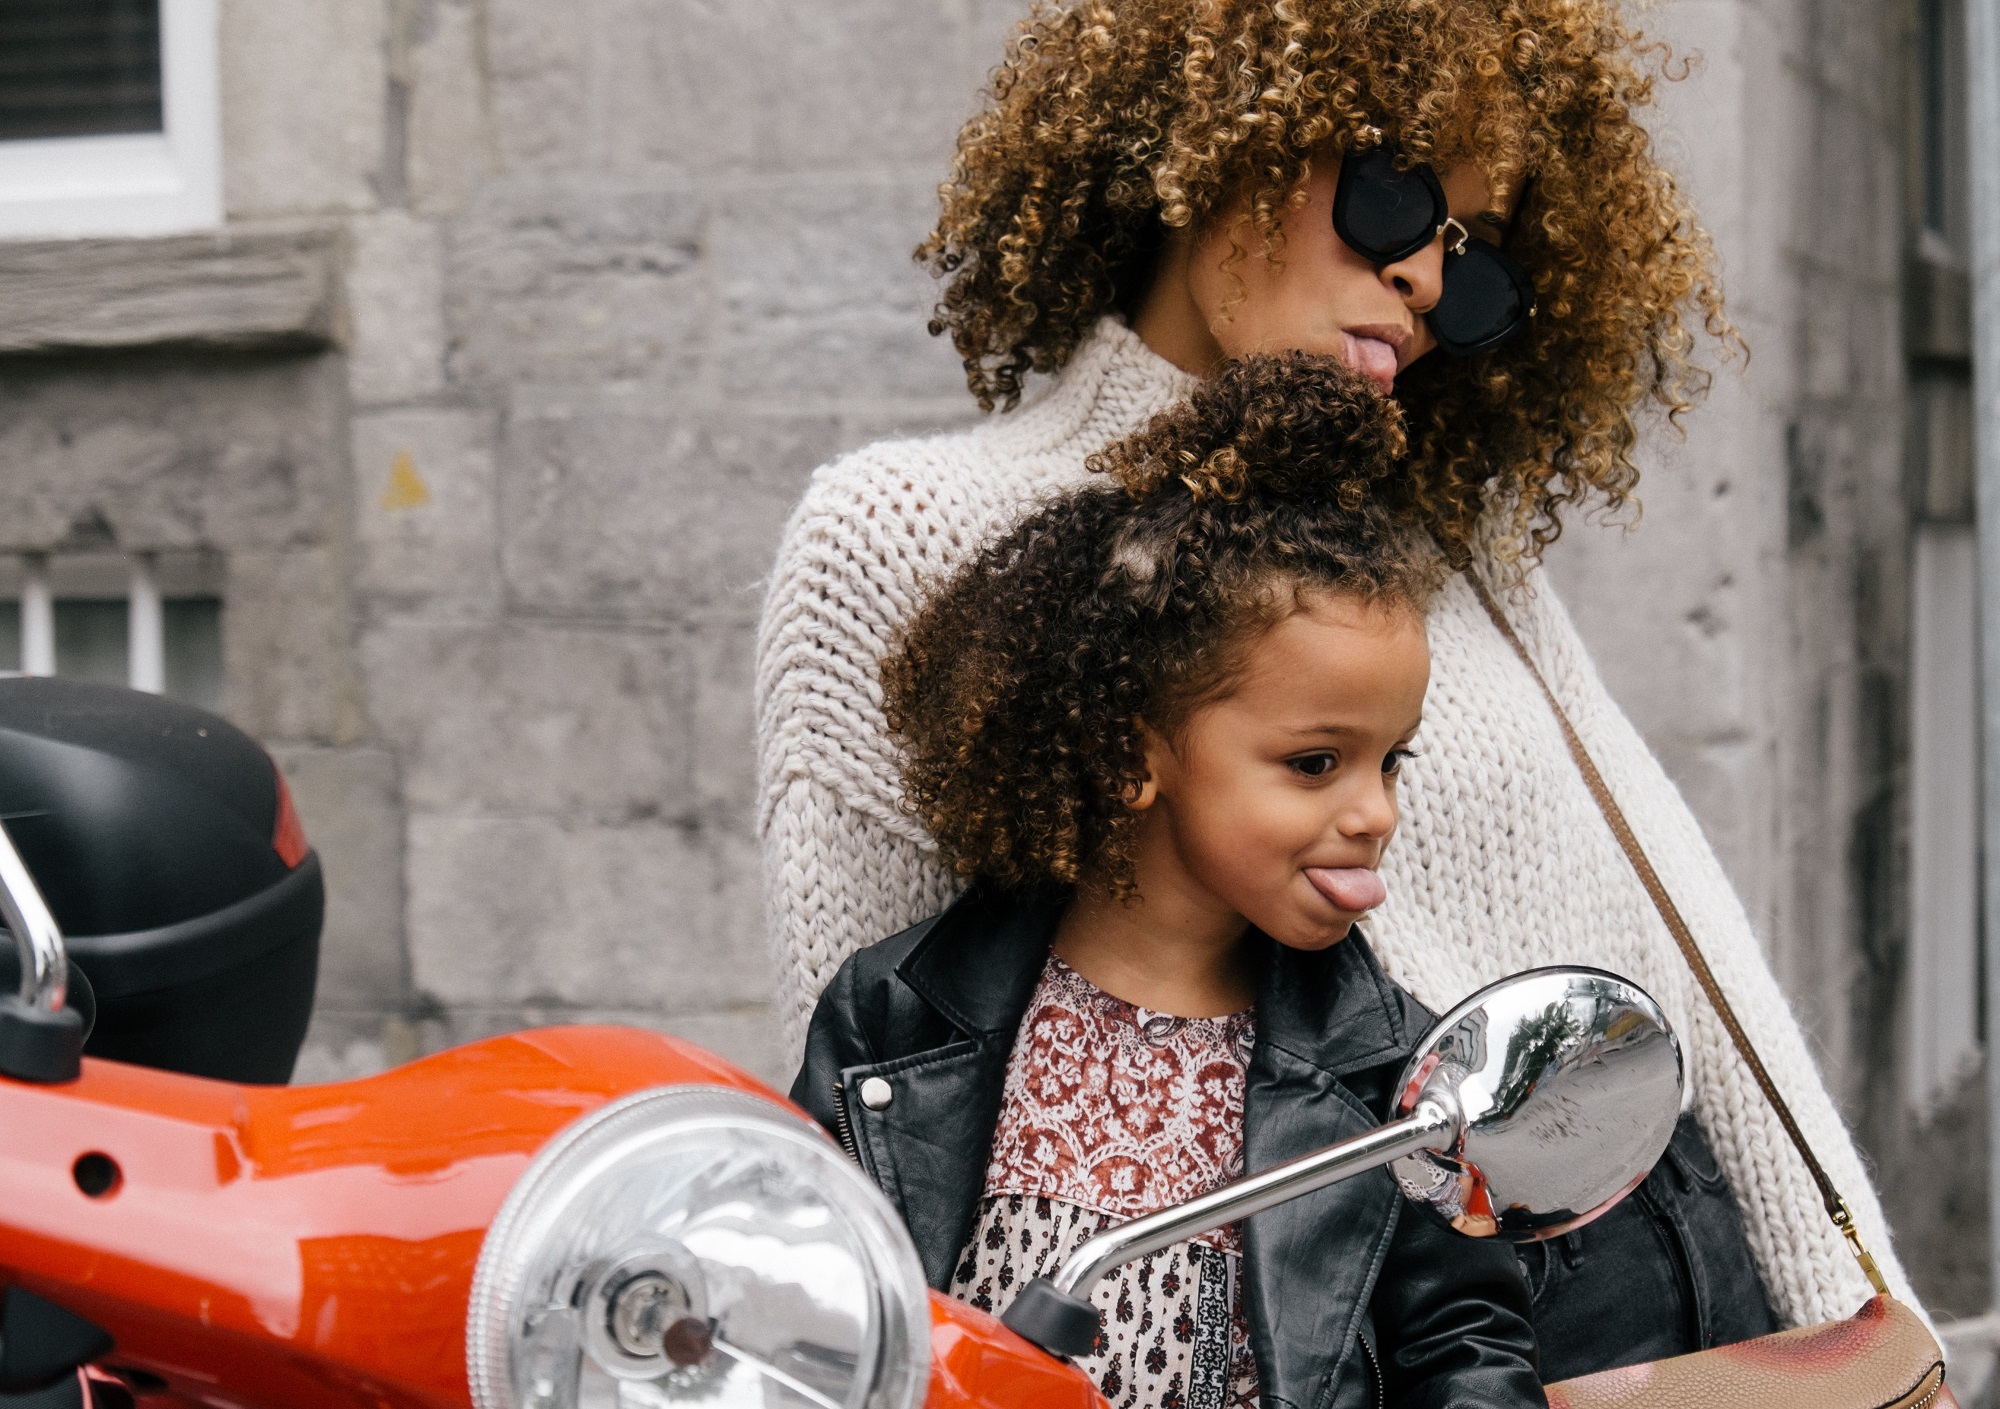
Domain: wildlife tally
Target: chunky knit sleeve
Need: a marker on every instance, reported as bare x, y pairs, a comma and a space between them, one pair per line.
843, 865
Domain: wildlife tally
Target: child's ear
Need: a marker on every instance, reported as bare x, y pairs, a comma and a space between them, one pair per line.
1147, 790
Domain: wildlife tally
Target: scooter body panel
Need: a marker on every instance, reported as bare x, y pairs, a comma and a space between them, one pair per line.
313, 1247
977, 1363
300, 1246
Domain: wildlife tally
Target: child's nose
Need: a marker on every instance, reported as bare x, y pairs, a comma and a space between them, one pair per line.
1370, 814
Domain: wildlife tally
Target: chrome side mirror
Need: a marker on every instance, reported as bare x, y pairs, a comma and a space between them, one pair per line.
1528, 1110
1567, 1084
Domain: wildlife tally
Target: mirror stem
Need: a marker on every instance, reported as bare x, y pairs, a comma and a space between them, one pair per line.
41, 1039
1431, 1126
1057, 1314
44, 960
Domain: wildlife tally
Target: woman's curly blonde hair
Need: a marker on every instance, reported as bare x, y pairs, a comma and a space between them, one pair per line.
1017, 693
1112, 120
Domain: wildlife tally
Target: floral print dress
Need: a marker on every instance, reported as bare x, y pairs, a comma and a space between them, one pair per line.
1111, 1111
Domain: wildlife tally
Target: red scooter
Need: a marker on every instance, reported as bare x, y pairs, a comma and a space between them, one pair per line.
571, 1218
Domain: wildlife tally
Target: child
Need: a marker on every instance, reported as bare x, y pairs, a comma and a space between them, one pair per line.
1159, 726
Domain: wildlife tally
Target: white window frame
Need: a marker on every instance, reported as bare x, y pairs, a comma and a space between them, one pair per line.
147, 183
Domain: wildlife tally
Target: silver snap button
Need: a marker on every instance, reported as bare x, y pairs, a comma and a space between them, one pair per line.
877, 1093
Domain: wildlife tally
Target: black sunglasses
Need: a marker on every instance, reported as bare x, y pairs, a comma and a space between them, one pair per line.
1384, 213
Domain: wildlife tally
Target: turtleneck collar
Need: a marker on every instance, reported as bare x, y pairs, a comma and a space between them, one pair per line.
1112, 385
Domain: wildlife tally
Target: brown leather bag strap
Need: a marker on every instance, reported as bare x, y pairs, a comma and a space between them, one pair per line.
1836, 1206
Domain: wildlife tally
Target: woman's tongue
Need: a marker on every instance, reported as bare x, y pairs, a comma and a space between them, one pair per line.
1352, 888
1373, 358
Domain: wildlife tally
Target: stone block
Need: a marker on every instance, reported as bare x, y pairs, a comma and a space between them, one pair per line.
395, 308
424, 510
287, 660
450, 137
237, 290
169, 453
615, 503
351, 808
722, 665
570, 914
1853, 225
869, 84
1843, 44
531, 717
575, 281
1686, 655
1694, 120
304, 95
538, 62
766, 84
819, 295
688, 86
1682, 614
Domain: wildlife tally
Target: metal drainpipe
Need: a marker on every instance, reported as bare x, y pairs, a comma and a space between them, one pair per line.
1982, 24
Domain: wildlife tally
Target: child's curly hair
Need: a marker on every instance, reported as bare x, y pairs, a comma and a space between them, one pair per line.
1111, 120
1018, 691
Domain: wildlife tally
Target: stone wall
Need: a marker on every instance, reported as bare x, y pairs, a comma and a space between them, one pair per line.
532, 320
618, 275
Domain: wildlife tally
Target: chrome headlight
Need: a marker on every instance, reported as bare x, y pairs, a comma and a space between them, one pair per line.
696, 1245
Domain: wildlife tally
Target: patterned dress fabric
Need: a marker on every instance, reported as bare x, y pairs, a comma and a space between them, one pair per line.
1111, 1111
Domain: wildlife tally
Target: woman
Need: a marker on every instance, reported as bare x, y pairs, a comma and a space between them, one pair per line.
1160, 185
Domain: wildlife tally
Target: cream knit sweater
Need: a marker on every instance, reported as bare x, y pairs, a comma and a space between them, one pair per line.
1502, 861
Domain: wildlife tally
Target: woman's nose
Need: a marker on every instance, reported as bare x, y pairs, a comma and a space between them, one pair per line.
1418, 280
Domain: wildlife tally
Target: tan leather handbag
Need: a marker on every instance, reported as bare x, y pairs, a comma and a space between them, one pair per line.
1883, 1357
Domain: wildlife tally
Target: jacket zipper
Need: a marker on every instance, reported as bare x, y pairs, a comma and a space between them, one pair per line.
845, 1130
1374, 1369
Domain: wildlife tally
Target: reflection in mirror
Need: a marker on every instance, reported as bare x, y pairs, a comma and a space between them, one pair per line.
1568, 1082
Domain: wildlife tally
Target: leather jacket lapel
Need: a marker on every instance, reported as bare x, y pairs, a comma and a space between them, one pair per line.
980, 963
927, 1148
928, 1145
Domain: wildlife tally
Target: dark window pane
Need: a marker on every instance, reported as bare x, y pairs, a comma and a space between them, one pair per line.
90, 641
1932, 77
91, 644
194, 651
79, 68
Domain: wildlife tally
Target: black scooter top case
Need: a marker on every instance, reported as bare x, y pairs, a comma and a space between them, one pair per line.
164, 840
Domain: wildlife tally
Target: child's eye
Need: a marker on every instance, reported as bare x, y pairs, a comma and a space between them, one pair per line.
1314, 765
1392, 761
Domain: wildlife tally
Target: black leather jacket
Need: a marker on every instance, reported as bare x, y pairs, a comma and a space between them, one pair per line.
1354, 1296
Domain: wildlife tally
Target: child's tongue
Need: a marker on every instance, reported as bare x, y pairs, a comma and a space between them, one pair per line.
1353, 888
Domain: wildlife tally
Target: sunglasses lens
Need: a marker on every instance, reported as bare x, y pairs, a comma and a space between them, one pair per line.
1385, 213
1486, 298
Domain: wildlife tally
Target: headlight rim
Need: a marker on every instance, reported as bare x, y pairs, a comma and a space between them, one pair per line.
497, 1279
